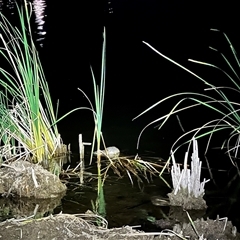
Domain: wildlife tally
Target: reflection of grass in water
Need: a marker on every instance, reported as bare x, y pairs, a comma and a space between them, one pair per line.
27, 121
39, 10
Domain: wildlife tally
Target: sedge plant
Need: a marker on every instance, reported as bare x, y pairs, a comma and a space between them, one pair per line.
27, 116
99, 93
220, 103
99, 206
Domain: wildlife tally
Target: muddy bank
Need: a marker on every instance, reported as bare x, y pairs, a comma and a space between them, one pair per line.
24, 179
65, 226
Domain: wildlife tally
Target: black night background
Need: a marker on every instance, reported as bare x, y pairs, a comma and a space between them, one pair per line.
136, 76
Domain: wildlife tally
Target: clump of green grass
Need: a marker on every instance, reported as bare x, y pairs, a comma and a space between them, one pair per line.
27, 117
227, 118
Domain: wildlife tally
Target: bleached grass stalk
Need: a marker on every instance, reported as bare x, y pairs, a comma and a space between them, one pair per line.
9, 153
81, 155
136, 167
188, 179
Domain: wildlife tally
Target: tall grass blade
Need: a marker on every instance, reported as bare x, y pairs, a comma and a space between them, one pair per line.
229, 110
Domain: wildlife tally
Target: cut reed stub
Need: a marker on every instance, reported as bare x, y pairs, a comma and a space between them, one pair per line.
188, 190
109, 152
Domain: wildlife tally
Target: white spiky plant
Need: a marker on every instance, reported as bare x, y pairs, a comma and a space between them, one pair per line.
188, 190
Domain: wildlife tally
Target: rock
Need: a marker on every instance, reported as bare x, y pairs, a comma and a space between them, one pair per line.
110, 152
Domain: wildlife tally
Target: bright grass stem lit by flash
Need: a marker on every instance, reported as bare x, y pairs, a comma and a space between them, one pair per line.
226, 109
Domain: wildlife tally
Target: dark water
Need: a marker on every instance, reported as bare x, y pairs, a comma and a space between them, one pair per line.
136, 78
131, 205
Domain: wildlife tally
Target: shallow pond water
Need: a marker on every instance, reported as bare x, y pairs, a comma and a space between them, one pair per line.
132, 205
128, 204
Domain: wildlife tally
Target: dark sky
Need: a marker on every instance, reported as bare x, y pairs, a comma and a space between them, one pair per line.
176, 28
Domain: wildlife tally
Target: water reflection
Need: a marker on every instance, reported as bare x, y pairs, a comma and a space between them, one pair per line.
8, 7
39, 7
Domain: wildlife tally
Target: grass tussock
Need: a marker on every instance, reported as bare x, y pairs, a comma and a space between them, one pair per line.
27, 116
